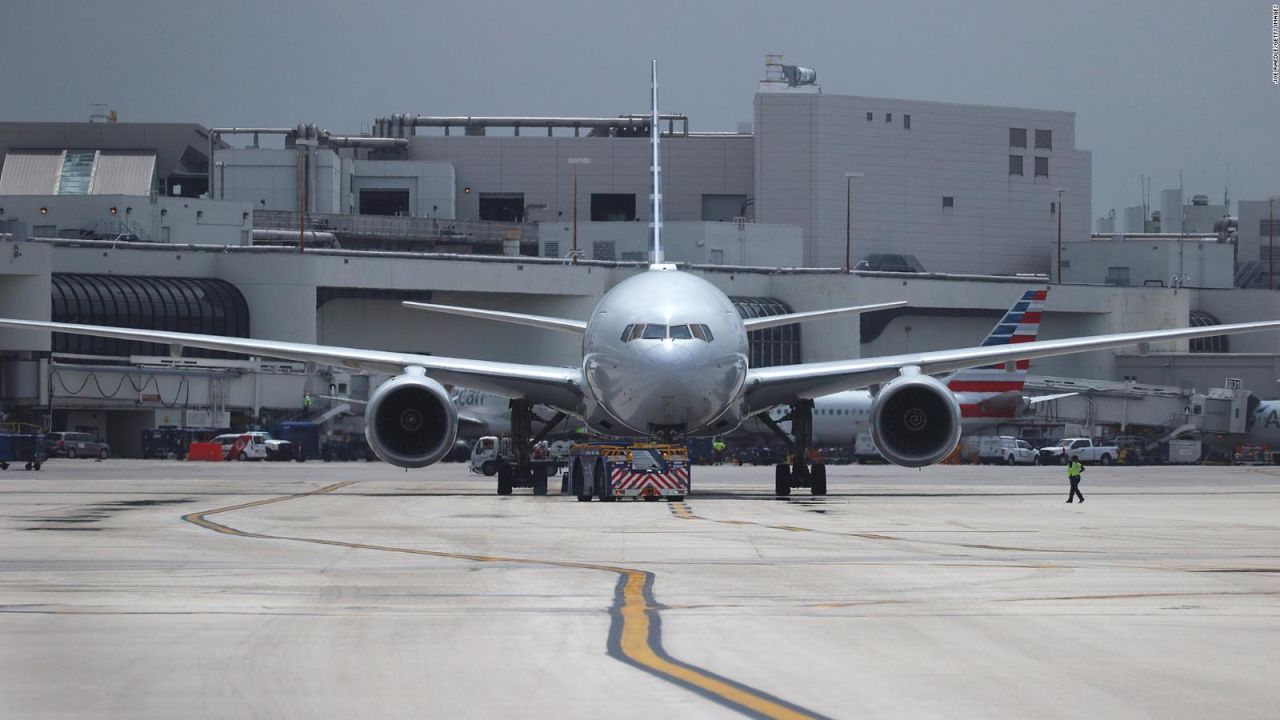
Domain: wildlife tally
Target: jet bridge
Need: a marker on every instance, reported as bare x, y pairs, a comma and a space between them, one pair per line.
1115, 406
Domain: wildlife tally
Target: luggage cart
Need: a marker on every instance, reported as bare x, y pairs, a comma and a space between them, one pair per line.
18, 447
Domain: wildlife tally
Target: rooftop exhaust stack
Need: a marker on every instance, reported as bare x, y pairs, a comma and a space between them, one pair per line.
788, 78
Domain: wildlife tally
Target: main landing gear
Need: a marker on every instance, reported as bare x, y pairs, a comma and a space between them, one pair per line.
526, 471
799, 473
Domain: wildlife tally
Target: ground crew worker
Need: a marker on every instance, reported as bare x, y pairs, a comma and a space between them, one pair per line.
1073, 475
306, 401
717, 448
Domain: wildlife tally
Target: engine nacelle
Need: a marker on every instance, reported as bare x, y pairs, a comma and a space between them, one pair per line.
915, 421
410, 421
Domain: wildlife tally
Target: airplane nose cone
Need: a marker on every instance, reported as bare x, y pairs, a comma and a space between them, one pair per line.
669, 359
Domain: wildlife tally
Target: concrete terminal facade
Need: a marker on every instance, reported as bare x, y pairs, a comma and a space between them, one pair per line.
353, 299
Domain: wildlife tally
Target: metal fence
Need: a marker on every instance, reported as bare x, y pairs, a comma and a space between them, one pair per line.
392, 227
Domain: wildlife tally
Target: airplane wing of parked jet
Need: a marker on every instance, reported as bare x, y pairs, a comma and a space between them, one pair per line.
542, 384
1037, 399
781, 384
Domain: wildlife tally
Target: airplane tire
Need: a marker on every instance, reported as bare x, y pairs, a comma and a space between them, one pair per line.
818, 479
504, 479
782, 480
602, 479
578, 483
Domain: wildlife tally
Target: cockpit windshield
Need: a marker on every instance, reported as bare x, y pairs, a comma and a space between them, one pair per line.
653, 331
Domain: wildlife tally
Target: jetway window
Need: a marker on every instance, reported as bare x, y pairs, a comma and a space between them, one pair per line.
722, 208
1044, 139
613, 207
1017, 137
1015, 164
384, 202
502, 207
1042, 167
1214, 344
770, 346
198, 305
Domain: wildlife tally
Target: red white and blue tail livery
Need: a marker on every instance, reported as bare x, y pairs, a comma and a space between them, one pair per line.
995, 391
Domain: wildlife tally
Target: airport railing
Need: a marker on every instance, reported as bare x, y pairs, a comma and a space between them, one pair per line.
392, 227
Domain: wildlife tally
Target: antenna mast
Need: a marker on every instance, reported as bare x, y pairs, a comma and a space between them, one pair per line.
656, 211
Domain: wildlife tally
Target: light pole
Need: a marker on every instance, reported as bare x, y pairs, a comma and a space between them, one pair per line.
575, 162
1060, 191
848, 219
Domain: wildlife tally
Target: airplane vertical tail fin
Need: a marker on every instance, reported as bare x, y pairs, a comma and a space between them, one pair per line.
655, 133
1020, 324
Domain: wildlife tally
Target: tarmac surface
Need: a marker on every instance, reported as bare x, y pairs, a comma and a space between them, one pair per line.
158, 589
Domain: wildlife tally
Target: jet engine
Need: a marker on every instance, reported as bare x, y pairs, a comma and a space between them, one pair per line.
915, 421
410, 421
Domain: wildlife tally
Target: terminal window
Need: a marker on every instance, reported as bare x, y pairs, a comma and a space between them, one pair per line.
1042, 167
1018, 137
384, 202
1044, 139
613, 207
888, 117
502, 207
869, 116
722, 208
948, 201
1015, 164
906, 122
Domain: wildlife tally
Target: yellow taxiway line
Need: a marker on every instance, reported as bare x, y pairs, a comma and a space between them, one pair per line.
634, 636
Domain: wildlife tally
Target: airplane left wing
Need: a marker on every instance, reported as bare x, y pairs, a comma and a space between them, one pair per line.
558, 387
781, 384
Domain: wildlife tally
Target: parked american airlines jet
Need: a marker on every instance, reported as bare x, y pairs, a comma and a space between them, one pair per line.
987, 395
664, 353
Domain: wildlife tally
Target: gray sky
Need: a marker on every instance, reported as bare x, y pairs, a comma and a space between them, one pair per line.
1157, 86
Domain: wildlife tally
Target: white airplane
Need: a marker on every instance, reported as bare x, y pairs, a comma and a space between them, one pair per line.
1265, 427
664, 353
987, 395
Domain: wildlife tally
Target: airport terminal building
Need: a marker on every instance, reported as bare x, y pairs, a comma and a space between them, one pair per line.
297, 233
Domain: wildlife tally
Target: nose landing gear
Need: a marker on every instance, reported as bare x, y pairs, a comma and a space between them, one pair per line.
806, 468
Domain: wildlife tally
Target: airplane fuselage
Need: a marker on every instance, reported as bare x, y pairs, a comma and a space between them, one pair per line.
664, 352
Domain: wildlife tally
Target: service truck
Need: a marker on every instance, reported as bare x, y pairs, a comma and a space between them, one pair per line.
492, 455
865, 450
1083, 448
614, 469
1007, 450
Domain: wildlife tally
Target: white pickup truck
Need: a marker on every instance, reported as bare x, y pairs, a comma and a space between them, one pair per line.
1083, 448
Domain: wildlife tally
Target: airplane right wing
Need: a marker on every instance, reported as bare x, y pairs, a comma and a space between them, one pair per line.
782, 384
558, 387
